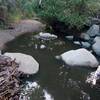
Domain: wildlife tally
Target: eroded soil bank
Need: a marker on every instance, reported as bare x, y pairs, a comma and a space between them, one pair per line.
22, 27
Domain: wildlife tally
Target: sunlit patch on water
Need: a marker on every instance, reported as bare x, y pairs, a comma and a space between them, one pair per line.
72, 83
47, 95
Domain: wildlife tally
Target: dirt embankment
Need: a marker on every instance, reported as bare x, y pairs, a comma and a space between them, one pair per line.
22, 27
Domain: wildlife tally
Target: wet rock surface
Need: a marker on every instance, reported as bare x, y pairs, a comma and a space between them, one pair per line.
79, 57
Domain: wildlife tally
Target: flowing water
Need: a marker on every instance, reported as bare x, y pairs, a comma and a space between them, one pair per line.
55, 80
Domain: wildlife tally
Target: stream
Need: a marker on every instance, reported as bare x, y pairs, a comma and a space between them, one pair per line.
55, 80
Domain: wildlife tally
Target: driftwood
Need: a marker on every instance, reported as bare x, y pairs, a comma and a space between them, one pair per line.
9, 79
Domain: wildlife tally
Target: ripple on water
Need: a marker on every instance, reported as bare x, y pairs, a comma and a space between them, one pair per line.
34, 89
85, 96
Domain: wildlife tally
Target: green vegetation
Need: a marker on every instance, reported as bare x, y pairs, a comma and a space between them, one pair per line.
71, 12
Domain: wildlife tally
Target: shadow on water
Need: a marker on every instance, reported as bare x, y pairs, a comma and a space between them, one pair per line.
61, 82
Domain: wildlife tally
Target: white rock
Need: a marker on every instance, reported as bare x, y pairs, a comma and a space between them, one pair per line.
47, 35
79, 57
27, 63
93, 31
42, 46
96, 46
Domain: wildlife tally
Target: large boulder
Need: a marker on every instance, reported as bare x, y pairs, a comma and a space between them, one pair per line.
93, 31
96, 46
80, 57
27, 64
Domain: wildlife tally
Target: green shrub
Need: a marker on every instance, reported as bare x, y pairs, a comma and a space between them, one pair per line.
72, 12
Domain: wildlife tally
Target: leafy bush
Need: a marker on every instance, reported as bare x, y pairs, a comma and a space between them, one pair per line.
72, 12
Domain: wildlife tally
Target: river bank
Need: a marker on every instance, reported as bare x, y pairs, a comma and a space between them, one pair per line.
22, 27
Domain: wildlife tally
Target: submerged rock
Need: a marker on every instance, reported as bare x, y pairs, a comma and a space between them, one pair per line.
27, 64
96, 46
93, 31
70, 37
80, 57
86, 44
85, 36
45, 36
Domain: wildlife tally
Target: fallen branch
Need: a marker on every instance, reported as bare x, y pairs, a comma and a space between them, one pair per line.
9, 79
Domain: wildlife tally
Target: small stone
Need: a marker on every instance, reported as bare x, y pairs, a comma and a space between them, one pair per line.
77, 42
42, 46
69, 37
